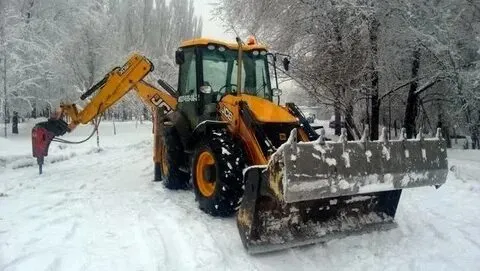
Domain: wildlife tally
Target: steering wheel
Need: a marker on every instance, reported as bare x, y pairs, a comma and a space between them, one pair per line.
221, 93
225, 87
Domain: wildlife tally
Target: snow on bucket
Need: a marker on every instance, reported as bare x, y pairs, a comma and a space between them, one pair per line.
325, 169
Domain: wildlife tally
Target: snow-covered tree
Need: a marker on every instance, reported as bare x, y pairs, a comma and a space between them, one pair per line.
56, 49
367, 58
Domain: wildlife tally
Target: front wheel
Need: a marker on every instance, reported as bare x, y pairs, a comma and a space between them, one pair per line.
217, 174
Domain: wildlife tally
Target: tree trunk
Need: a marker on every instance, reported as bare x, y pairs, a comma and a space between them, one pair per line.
4, 56
411, 110
389, 118
5, 83
34, 111
338, 125
15, 123
395, 128
339, 49
446, 134
375, 122
375, 102
146, 113
27, 10
445, 130
352, 128
475, 135
476, 131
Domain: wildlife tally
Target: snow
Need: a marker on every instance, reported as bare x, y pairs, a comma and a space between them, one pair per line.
413, 176
331, 161
225, 151
368, 154
346, 157
386, 152
100, 210
319, 148
344, 185
374, 187
307, 186
358, 198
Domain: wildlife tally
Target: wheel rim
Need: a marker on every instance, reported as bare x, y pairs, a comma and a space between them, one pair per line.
205, 162
164, 160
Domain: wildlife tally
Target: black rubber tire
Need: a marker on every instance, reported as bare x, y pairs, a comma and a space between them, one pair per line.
229, 163
175, 178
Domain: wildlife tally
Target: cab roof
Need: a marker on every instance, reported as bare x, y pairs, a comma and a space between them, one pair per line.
250, 44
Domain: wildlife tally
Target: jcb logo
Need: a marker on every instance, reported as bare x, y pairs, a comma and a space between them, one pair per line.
227, 113
158, 102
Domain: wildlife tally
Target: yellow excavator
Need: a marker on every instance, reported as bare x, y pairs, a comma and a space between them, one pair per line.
249, 156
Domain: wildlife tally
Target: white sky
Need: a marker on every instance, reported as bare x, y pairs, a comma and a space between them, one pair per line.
212, 28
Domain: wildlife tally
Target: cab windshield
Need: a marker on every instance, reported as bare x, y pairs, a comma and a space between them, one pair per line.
220, 71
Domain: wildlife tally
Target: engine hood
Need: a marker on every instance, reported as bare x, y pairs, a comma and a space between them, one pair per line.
263, 110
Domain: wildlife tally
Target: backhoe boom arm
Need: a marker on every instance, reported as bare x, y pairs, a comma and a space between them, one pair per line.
114, 86
105, 93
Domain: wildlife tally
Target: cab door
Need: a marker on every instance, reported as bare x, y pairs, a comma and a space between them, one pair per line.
188, 86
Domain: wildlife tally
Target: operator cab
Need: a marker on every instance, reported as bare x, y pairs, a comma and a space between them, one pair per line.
208, 71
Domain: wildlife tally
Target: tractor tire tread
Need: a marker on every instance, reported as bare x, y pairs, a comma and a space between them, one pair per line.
229, 161
176, 178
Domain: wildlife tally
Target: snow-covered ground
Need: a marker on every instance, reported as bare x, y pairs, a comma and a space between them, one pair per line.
98, 209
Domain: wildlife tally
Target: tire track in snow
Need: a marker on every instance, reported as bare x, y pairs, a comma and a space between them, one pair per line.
16, 261
169, 234
71, 233
155, 244
52, 222
54, 265
210, 236
467, 235
22, 259
181, 212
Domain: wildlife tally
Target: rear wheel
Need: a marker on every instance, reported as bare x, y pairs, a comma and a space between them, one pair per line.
217, 174
172, 158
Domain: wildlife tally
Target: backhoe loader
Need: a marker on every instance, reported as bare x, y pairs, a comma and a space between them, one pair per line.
249, 156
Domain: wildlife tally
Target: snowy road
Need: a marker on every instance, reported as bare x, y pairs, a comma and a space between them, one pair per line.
99, 210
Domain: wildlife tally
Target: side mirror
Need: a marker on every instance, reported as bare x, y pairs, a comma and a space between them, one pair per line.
206, 89
286, 63
276, 92
179, 57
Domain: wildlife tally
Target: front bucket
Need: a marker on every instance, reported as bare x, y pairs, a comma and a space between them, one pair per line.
318, 191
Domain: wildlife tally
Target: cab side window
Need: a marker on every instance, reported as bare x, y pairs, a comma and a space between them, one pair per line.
188, 77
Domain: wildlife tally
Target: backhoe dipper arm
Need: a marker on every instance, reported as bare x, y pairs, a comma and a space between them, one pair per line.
106, 93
